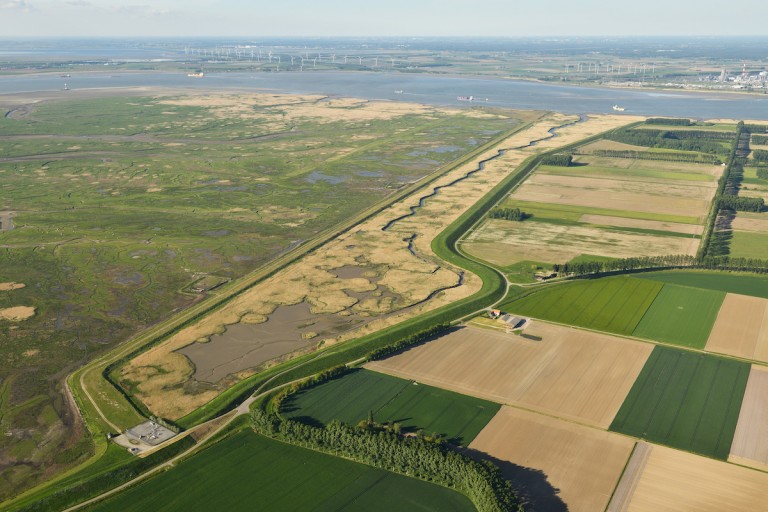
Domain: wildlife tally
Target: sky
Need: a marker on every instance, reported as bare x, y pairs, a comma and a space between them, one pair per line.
264, 18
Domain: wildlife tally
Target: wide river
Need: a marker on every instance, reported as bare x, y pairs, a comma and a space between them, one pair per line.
438, 90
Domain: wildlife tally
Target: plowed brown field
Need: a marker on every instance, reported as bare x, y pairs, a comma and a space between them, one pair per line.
750, 442
676, 481
583, 463
741, 328
571, 373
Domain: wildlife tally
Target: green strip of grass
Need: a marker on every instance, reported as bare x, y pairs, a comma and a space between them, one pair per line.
574, 213
632, 172
681, 315
748, 244
686, 400
247, 472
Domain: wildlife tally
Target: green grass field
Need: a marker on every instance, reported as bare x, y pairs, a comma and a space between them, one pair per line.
681, 315
248, 472
685, 400
554, 212
458, 418
748, 244
731, 282
614, 304
619, 173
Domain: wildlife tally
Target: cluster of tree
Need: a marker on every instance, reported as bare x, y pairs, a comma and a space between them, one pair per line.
650, 155
760, 139
666, 140
481, 482
561, 159
508, 214
741, 204
762, 173
413, 339
625, 264
760, 155
756, 128
669, 121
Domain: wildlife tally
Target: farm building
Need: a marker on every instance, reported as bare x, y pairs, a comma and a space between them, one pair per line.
511, 320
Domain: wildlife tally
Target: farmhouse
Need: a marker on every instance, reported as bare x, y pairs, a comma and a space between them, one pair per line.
511, 320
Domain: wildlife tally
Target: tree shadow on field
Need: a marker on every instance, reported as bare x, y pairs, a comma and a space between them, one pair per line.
531, 485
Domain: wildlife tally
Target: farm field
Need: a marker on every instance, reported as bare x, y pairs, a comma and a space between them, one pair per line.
602, 206
686, 400
247, 471
615, 304
750, 444
674, 481
748, 244
458, 418
645, 308
730, 282
541, 453
681, 315
741, 328
569, 373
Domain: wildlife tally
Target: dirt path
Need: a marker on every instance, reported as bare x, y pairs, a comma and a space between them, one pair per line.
622, 496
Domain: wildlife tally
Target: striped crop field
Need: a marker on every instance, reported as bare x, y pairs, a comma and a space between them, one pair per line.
685, 400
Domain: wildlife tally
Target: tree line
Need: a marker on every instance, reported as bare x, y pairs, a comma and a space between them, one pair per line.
741, 204
760, 139
508, 214
760, 155
762, 173
663, 262
669, 121
481, 482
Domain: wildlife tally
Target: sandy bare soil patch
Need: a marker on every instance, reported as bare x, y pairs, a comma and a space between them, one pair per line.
676, 481
623, 222
741, 328
575, 374
4, 287
750, 442
503, 242
749, 223
17, 313
583, 463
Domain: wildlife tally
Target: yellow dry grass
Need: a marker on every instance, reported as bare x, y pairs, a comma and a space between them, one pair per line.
676, 481
503, 242
585, 464
741, 328
750, 223
413, 277
4, 287
574, 374
17, 313
640, 196
750, 442
623, 222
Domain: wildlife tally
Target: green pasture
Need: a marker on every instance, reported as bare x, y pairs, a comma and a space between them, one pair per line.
749, 244
614, 304
716, 127
681, 315
351, 398
686, 400
730, 282
249, 472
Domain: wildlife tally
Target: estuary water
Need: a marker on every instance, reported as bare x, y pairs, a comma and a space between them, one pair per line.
430, 89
